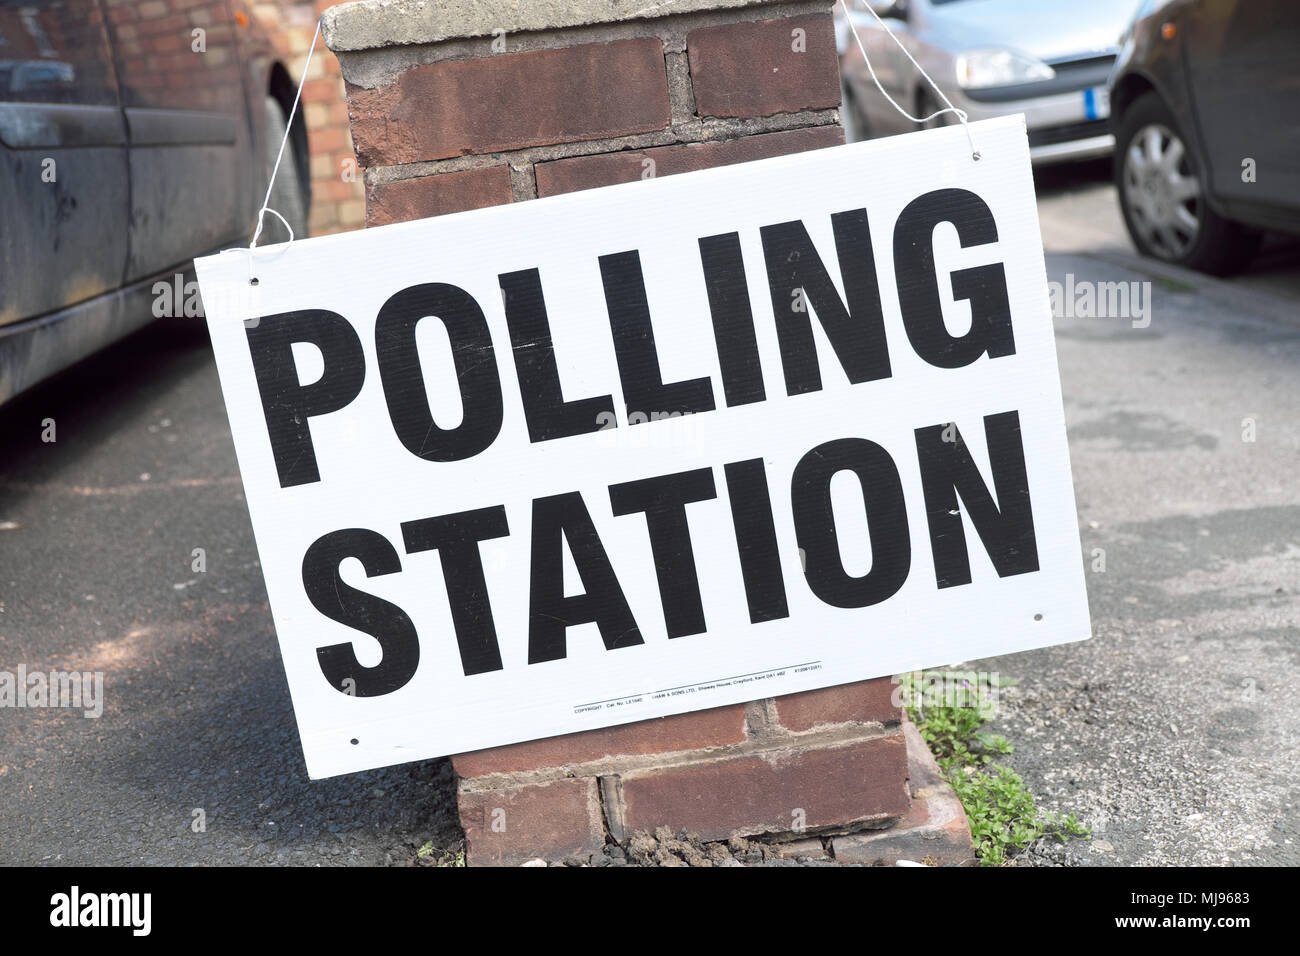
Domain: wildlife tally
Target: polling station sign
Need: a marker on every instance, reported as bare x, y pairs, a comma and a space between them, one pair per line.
654, 447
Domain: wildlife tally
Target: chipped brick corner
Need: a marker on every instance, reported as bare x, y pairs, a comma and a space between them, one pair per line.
505, 102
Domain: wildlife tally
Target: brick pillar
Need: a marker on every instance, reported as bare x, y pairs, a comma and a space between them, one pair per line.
457, 107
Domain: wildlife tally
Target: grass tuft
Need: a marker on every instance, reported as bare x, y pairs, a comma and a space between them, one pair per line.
1004, 819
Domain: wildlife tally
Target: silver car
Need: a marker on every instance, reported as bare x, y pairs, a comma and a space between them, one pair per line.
1048, 59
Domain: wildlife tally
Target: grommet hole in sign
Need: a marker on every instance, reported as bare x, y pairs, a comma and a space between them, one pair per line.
947, 108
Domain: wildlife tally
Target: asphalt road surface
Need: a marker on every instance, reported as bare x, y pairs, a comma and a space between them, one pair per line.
96, 575
1173, 731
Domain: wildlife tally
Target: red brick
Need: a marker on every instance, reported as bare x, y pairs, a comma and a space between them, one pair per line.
510, 101
338, 113
934, 830
586, 172
437, 195
861, 782
702, 728
320, 91
509, 826
864, 702
752, 69
327, 140
332, 190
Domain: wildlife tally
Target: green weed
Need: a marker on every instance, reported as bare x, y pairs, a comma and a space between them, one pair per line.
1004, 819
432, 857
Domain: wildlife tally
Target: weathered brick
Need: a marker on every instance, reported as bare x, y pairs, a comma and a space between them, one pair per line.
833, 785
509, 826
697, 730
934, 830
437, 195
755, 69
510, 101
863, 702
587, 172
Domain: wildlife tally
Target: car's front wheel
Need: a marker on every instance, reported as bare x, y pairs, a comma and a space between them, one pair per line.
1162, 195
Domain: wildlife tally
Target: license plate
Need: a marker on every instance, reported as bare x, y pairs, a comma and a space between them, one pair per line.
1096, 103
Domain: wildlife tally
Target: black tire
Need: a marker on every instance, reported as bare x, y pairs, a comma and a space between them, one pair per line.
288, 197
1162, 195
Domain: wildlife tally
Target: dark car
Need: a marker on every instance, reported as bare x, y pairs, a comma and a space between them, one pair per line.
134, 136
1207, 128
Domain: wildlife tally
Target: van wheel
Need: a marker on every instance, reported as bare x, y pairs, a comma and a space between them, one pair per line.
288, 197
1162, 195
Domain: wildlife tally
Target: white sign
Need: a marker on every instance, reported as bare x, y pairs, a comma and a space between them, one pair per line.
655, 447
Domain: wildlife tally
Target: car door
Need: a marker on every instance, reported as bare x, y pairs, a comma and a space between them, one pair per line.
892, 68
63, 165
189, 139
1244, 72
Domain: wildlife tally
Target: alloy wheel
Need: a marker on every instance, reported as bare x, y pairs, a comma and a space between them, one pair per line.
1163, 192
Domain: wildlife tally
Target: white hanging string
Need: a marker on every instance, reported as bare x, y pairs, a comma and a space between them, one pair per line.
288, 129
948, 107
293, 111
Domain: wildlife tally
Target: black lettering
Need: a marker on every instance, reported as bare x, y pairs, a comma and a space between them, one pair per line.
456, 538
733, 319
644, 389
1005, 527
557, 519
760, 562
476, 372
918, 285
798, 281
339, 601
663, 499
814, 522
548, 415
287, 405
